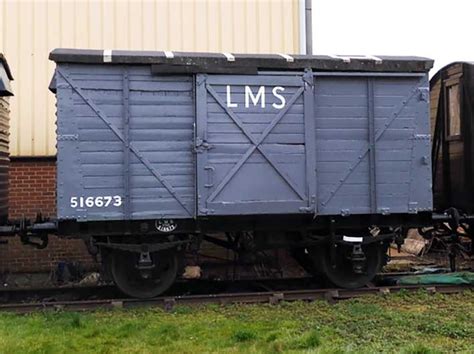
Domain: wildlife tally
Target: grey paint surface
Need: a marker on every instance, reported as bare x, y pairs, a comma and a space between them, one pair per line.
148, 161
256, 161
381, 170
178, 147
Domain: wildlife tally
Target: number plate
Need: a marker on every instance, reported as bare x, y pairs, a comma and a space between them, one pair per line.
97, 202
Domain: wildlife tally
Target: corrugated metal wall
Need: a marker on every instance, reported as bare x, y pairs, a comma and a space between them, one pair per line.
30, 29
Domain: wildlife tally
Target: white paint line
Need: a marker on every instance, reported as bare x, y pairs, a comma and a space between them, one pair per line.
340, 57
352, 239
229, 56
288, 58
107, 56
376, 59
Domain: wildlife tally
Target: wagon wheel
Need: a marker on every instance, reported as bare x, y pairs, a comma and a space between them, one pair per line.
341, 272
130, 280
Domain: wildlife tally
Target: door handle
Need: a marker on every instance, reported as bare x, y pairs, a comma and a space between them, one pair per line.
210, 176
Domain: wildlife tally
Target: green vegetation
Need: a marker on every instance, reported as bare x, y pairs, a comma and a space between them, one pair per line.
405, 323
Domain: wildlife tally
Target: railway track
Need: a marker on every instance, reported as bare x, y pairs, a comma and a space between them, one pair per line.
272, 297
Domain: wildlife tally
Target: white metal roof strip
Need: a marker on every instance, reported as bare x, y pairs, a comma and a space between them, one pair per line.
107, 56
340, 57
169, 54
288, 58
229, 56
373, 57
352, 239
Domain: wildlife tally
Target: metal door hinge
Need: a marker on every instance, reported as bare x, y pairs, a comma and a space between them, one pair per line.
68, 137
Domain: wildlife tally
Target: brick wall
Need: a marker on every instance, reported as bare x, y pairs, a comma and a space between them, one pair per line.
33, 190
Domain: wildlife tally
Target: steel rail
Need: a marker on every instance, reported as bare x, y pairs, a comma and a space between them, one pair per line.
272, 297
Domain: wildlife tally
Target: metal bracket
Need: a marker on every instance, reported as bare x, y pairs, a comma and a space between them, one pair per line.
366, 149
413, 207
206, 211
201, 145
68, 137
345, 212
424, 94
143, 247
201, 79
309, 209
384, 211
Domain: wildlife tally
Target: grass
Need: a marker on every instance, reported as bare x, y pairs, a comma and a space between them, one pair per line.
405, 323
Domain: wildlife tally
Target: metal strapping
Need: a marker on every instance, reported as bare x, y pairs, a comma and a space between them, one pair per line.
376, 59
378, 134
169, 54
107, 56
345, 59
229, 56
288, 58
256, 143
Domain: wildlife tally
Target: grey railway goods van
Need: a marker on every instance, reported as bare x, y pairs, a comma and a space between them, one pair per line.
160, 135
5, 91
327, 157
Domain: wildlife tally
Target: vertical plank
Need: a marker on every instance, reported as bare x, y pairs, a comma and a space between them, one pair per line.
126, 143
310, 140
372, 143
201, 134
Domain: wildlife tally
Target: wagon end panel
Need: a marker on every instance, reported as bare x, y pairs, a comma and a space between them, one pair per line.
373, 144
124, 143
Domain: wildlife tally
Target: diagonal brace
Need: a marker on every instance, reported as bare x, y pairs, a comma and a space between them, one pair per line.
131, 146
378, 134
255, 141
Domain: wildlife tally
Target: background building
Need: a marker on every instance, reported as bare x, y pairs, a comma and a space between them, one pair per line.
31, 29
